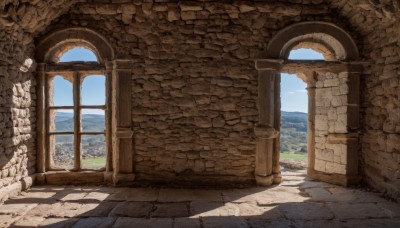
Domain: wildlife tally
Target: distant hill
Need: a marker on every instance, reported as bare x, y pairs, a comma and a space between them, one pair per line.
294, 131
297, 120
90, 122
293, 128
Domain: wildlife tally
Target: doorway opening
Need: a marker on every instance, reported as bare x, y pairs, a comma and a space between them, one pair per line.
294, 129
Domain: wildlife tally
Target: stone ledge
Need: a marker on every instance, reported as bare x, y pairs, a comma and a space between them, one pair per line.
74, 178
268, 64
16, 188
338, 179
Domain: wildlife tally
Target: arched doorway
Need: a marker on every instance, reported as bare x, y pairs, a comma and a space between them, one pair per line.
294, 126
333, 108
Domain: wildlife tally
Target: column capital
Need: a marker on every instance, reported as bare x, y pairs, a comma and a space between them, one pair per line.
122, 64
265, 132
123, 132
269, 64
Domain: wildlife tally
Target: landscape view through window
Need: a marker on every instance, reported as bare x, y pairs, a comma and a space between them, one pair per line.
294, 102
93, 94
294, 108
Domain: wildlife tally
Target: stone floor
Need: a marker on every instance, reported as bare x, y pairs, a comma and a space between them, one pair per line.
297, 202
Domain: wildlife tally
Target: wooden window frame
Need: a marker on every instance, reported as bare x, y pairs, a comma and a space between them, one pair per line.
77, 71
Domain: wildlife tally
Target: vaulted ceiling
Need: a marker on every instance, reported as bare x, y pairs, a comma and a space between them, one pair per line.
34, 16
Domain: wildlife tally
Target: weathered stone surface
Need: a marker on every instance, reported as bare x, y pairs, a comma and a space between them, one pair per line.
86, 212
170, 210
198, 42
225, 222
135, 194
94, 222
139, 222
357, 211
132, 209
304, 211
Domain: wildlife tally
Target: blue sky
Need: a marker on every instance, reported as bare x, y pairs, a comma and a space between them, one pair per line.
93, 87
294, 96
293, 92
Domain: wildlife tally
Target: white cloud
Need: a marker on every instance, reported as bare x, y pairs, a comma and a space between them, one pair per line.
297, 91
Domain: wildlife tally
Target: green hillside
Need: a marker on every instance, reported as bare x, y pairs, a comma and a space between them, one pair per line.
294, 135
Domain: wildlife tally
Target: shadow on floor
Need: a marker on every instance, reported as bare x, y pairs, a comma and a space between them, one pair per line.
297, 202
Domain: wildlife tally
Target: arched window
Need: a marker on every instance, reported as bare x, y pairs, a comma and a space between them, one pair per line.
76, 111
333, 107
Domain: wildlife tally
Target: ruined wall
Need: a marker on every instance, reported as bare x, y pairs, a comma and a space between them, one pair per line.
194, 82
381, 111
210, 43
330, 117
17, 110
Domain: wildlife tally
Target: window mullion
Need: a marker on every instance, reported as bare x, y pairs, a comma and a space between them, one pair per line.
77, 120
49, 157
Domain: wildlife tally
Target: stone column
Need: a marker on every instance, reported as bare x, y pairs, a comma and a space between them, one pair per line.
41, 129
311, 125
267, 169
353, 120
122, 134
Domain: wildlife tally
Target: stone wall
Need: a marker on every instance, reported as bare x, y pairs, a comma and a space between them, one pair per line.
331, 116
17, 111
381, 111
181, 49
194, 83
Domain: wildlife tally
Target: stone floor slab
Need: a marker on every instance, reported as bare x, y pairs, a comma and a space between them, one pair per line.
186, 222
172, 210
262, 212
135, 194
298, 203
213, 209
371, 223
143, 223
224, 222
175, 195
7, 220
260, 222
101, 209
99, 222
345, 211
132, 209
306, 211
319, 195
45, 210
58, 222
28, 221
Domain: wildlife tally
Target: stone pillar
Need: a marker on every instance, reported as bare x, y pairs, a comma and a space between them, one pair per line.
41, 129
267, 170
122, 134
311, 125
336, 156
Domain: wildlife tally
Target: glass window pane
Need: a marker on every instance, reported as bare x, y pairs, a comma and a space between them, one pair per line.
94, 90
61, 92
78, 54
62, 120
93, 151
62, 149
93, 120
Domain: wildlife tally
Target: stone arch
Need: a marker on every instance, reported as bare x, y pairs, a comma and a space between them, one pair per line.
329, 39
51, 47
338, 132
